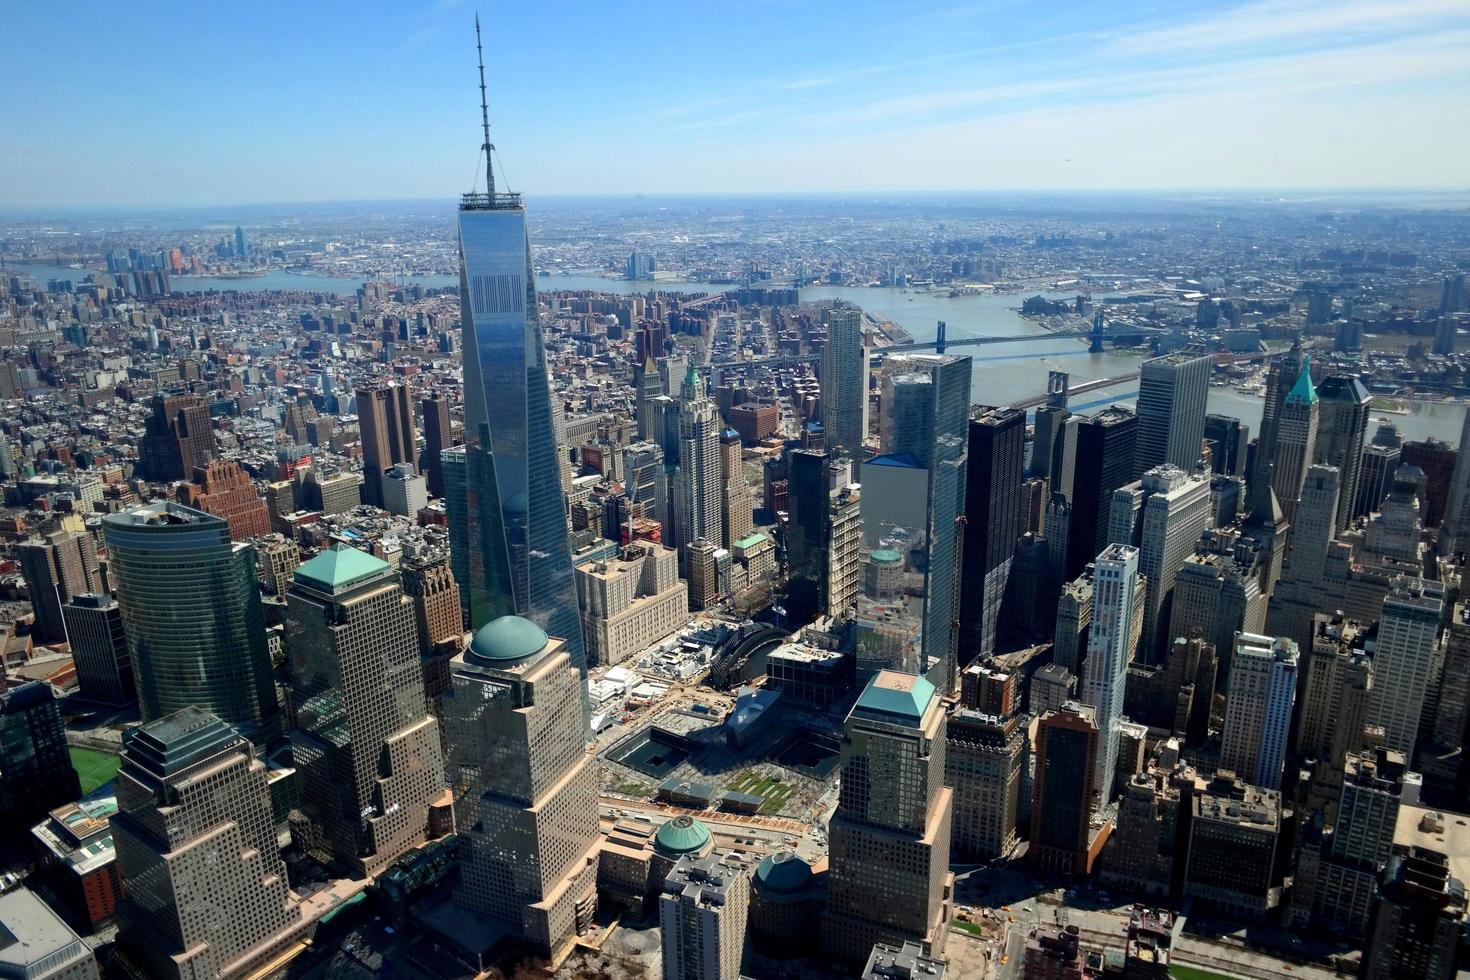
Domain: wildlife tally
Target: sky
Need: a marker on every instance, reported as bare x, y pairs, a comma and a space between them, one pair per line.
182, 104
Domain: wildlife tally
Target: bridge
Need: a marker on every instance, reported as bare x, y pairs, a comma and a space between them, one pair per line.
1080, 389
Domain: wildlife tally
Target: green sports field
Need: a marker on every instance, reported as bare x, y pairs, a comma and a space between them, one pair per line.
94, 767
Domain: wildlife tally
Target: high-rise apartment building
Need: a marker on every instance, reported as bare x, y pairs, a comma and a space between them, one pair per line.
1341, 432
1065, 838
59, 565
1258, 712
845, 384
1403, 661
1421, 916
926, 414
1105, 448
890, 835
207, 894
385, 418
223, 489
516, 517
438, 436
516, 701
365, 745
99, 648
36, 773
997, 444
984, 756
178, 436
1172, 392
1114, 591
193, 618
701, 916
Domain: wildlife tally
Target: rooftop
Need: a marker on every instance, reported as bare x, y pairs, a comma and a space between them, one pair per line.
30, 933
681, 835
339, 568
783, 873
505, 641
893, 696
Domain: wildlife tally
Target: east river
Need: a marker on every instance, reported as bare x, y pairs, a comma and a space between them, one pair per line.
1003, 373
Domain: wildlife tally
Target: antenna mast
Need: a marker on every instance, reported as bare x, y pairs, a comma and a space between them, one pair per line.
488, 147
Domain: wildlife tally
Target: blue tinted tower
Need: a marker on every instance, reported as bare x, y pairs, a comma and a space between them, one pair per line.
519, 562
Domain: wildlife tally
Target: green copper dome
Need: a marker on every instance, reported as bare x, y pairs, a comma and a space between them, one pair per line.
783, 873
886, 556
681, 835
507, 639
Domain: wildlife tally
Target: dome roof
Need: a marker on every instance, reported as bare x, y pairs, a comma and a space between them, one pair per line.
506, 639
681, 835
783, 872
886, 556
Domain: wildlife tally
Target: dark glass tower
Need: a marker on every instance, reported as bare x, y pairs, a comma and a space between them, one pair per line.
1105, 448
992, 524
516, 512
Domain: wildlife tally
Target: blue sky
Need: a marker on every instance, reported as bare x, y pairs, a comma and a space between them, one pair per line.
173, 103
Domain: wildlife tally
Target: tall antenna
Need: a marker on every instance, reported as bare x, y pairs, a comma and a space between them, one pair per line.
485, 113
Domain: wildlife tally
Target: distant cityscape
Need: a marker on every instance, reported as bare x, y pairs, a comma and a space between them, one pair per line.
882, 586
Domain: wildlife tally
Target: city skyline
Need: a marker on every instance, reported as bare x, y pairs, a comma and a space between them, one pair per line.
947, 98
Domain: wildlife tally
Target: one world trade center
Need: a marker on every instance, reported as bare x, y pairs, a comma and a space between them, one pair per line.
517, 559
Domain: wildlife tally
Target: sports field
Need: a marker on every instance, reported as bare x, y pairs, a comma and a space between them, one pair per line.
94, 767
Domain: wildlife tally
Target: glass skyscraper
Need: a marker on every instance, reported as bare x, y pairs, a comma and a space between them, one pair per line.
518, 559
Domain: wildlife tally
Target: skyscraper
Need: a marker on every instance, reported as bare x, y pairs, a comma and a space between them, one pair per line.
1296, 441
1361, 842
365, 746
1105, 447
697, 487
926, 416
242, 244
36, 773
1230, 439
1455, 529
1437, 459
177, 437
1282, 372
1342, 429
1380, 461
207, 894
1175, 511
385, 416
99, 647
808, 534
517, 516
59, 565
1421, 915
701, 917
1114, 581
1067, 750
225, 490
889, 879
1408, 638
1172, 392
438, 437
1303, 590
992, 524
1263, 675
192, 613
845, 384
525, 788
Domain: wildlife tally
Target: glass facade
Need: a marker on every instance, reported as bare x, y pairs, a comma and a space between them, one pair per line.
518, 558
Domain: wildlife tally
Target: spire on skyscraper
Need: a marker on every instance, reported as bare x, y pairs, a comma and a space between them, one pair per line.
487, 146
1303, 392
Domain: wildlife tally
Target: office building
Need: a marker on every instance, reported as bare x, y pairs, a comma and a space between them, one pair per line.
698, 490
1067, 835
366, 749
99, 648
385, 419
1145, 852
36, 774
192, 614
1296, 441
889, 878
516, 519
1341, 432
737, 503
1237, 850
1214, 598
438, 436
1282, 373
1174, 512
1454, 535
1172, 392
845, 384
1105, 448
1335, 693
78, 860
1229, 440
177, 437
1263, 682
1109, 644
1437, 459
206, 889
1420, 920
997, 443
1360, 843
1381, 460
926, 415
1304, 589
405, 493
631, 602
516, 697
36, 944
1073, 623
1403, 661
701, 916
223, 489
60, 564
984, 757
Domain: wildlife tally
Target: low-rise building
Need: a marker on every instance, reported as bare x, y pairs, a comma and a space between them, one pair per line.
75, 853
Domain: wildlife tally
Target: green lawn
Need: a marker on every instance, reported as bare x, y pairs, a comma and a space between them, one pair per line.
969, 927
1195, 973
773, 790
94, 767
632, 788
